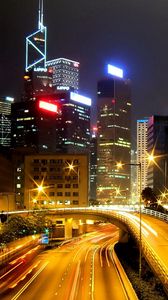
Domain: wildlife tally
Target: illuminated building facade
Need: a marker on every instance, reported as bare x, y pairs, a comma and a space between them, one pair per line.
53, 123
73, 126
134, 174
36, 44
114, 138
142, 148
37, 81
63, 177
34, 125
158, 146
5, 121
65, 73
93, 164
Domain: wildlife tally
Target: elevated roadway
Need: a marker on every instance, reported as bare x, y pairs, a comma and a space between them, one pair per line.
154, 233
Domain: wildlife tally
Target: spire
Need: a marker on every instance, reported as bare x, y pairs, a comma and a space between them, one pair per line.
36, 44
40, 15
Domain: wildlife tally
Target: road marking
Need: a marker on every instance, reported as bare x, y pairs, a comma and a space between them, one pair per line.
29, 282
73, 290
11, 270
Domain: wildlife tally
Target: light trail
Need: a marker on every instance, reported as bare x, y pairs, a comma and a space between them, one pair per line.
93, 271
142, 222
76, 277
11, 270
29, 282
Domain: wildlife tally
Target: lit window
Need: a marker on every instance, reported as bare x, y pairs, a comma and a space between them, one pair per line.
67, 202
59, 202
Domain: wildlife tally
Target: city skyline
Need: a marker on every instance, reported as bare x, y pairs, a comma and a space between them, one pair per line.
124, 33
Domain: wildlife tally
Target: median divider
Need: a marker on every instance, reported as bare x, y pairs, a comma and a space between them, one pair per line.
127, 286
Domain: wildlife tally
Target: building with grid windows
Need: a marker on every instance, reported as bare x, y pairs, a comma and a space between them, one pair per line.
5, 121
62, 178
158, 146
65, 73
142, 148
113, 139
58, 122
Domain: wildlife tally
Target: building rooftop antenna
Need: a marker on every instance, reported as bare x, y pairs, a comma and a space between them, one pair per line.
40, 12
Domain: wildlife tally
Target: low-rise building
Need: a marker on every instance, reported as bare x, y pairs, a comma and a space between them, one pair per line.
56, 180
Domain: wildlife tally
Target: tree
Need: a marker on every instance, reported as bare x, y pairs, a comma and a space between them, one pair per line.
3, 218
149, 197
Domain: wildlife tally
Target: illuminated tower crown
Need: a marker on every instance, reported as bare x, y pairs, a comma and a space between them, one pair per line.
36, 44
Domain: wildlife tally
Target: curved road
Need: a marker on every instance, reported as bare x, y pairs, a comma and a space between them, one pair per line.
83, 269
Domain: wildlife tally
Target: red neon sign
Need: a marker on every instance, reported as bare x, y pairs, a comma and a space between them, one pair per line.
48, 106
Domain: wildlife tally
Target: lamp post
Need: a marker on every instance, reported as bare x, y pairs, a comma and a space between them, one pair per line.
162, 167
39, 189
119, 165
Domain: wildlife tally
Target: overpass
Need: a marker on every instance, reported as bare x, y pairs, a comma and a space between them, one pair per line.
154, 233
153, 226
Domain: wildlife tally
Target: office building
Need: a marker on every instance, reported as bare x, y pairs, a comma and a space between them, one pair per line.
37, 81
7, 194
142, 149
134, 176
62, 178
52, 123
158, 146
5, 121
73, 131
36, 44
93, 164
65, 73
34, 123
114, 137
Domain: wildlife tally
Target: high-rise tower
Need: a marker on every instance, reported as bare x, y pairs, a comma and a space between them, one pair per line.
36, 44
37, 78
65, 73
5, 121
142, 128
158, 146
114, 137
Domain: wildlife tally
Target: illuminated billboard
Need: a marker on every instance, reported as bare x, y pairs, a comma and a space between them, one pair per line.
81, 99
112, 70
48, 106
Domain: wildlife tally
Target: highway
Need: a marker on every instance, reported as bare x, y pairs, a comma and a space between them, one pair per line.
154, 242
84, 269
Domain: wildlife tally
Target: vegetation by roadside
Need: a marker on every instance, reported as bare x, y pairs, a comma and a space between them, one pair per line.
17, 227
150, 287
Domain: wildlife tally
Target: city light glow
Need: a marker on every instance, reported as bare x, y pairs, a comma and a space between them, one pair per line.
48, 106
112, 70
81, 99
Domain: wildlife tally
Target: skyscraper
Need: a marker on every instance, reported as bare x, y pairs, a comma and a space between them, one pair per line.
58, 122
5, 121
158, 146
37, 81
142, 148
114, 137
93, 164
34, 123
65, 73
36, 44
73, 126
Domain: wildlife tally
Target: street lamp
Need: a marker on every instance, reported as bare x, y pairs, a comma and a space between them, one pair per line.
120, 165
40, 189
161, 166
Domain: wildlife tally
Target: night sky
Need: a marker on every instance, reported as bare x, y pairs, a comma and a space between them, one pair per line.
132, 34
